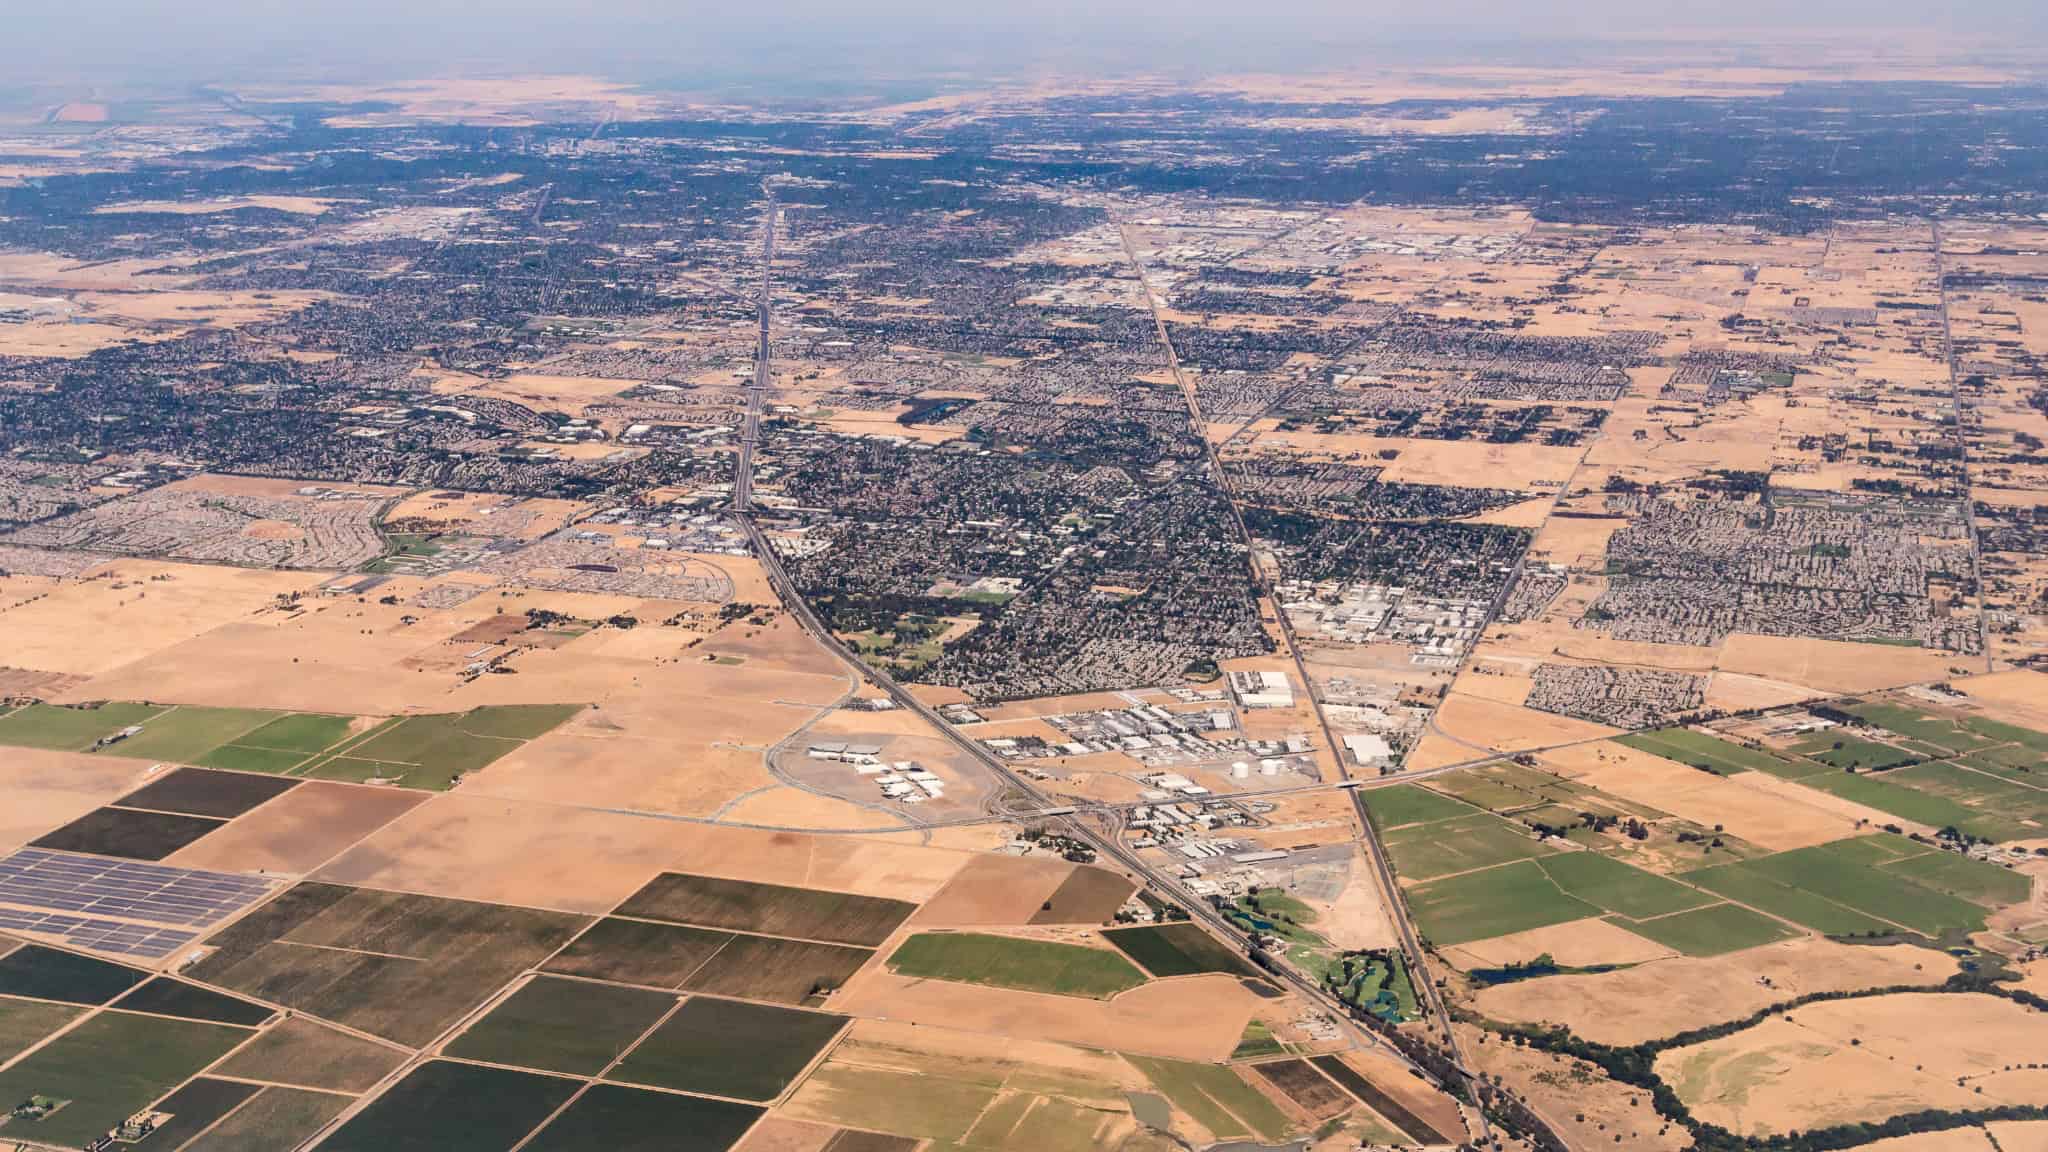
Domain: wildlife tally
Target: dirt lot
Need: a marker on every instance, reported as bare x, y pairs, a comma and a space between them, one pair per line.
781, 1134
1669, 996
489, 848
1834, 666
1843, 1061
994, 890
1755, 810
300, 830
133, 609
1506, 728
1575, 944
47, 789
1195, 1018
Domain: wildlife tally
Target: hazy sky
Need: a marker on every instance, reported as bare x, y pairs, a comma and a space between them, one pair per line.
835, 41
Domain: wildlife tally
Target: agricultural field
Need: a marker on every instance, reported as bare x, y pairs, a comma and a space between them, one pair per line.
302, 1052
1712, 930
632, 1120
129, 833
427, 752
199, 792
1016, 962
569, 1026
1477, 905
1217, 1096
272, 1116
1423, 852
109, 1067
1087, 896
427, 505
433, 752
1403, 804
42, 973
399, 966
1855, 886
70, 729
693, 1049
1176, 950
163, 996
1619, 888
1700, 750
446, 1106
198, 1106
24, 1023
770, 909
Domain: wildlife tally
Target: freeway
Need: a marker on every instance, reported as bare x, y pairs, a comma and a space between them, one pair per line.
757, 388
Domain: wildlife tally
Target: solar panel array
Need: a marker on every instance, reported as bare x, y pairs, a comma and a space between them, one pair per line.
102, 935
117, 905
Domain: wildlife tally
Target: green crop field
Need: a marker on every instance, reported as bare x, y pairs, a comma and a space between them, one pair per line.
1957, 875
443, 1106
1618, 887
1741, 882
1843, 881
1721, 756
1013, 962
303, 732
69, 729
1712, 930
1475, 906
1838, 749
429, 751
1177, 950
2010, 762
1506, 787
1909, 803
559, 1025
1216, 1096
1427, 851
2014, 798
1942, 731
729, 1048
237, 758
425, 752
516, 721
185, 733
2008, 733
109, 1067
1405, 804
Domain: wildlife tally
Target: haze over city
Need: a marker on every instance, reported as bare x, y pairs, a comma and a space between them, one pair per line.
804, 577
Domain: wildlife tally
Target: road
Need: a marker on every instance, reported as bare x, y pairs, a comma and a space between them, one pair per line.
1106, 846
1955, 391
757, 388
1375, 852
